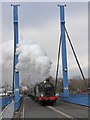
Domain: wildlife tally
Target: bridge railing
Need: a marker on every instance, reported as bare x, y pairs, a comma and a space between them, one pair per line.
8, 99
5, 101
9, 106
8, 111
81, 99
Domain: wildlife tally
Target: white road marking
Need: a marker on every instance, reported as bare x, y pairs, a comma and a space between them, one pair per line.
72, 113
23, 110
62, 113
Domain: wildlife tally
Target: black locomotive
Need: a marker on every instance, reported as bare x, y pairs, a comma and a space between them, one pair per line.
44, 93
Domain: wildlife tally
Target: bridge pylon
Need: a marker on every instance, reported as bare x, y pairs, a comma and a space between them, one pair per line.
15, 71
64, 52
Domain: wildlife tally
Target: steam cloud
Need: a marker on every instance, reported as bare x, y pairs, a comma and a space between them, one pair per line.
33, 65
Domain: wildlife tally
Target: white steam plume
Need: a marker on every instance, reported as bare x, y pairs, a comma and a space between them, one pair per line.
33, 65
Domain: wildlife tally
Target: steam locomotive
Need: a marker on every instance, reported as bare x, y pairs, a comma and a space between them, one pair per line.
44, 93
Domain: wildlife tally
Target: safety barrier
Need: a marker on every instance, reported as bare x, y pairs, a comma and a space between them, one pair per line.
81, 99
18, 103
8, 111
5, 101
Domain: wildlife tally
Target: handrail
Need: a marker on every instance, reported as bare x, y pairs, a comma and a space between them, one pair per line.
5, 101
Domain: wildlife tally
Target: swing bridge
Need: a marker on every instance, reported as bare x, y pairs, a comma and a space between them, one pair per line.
15, 102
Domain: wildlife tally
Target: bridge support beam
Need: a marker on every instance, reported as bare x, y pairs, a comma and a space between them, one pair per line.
64, 53
16, 72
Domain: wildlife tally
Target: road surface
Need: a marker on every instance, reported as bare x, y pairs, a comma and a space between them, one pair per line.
32, 109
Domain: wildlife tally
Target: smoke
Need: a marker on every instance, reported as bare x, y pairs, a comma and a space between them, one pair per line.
33, 63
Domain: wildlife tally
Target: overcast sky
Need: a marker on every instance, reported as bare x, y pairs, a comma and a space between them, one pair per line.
40, 22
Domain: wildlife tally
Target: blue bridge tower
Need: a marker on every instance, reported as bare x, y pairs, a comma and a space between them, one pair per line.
64, 52
16, 72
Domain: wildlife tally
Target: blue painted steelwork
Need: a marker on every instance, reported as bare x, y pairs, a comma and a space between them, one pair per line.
64, 54
16, 73
5, 101
18, 103
81, 99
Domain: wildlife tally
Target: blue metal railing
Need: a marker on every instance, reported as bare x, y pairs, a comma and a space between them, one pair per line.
81, 99
8, 99
5, 101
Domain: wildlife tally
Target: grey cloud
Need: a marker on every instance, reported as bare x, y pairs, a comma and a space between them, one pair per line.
40, 22
35, 14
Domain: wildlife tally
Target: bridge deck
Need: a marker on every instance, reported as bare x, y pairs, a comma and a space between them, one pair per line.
32, 109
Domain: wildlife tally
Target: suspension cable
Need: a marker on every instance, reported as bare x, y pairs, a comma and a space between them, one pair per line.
58, 63
76, 57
